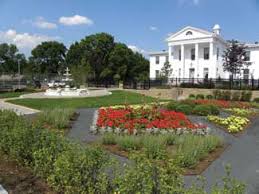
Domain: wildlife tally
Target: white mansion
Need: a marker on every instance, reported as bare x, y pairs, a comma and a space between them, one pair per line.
197, 53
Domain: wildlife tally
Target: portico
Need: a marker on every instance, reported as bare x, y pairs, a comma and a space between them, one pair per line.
194, 53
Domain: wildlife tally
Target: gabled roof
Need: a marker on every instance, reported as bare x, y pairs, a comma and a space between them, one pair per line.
205, 32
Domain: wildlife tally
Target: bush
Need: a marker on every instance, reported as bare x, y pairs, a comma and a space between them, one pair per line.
236, 96
172, 105
154, 146
200, 96
129, 143
256, 100
58, 118
64, 165
225, 95
217, 94
109, 139
246, 96
209, 97
184, 108
205, 109
192, 96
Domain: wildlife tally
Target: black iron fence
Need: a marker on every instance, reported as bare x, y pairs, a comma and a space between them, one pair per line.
237, 84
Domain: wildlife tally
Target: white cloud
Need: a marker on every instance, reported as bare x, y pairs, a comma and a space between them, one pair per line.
136, 49
23, 40
153, 28
75, 20
42, 23
190, 2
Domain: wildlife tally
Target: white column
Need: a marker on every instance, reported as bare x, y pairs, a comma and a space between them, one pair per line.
170, 54
197, 58
212, 68
183, 60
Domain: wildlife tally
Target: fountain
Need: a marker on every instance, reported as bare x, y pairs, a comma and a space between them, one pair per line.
67, 91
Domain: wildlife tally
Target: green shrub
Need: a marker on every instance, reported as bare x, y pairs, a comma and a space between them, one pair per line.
184, 108
191, 149
129, 143
236, 95
58, 118
209, 97
200, 96
52, 156
256, 100
217, 94
172, 105
154, 146
206, 109
225, 95
246, 96
192, 96
170, 139
80, 170
109, 139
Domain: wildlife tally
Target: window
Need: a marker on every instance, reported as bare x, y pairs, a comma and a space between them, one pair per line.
179, 73
157, 74
247, 56
191, 73
246, 74
157, 59
167, 58
188, 33
206, 73
206, 53
180, 55
193, 54
217, 53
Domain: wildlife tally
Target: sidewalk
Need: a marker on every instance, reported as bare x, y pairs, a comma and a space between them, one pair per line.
2, 191
20, 110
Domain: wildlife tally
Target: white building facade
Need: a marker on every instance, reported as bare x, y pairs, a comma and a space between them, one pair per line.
197, 53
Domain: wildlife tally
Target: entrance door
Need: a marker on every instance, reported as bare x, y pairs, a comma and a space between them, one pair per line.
191, 73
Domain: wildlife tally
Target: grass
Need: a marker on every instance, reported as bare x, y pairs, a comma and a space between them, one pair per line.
187, 150
57, 118
117, 98
11, 94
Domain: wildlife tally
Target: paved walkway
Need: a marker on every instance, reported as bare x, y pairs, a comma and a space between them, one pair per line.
2, 191
81, 128
242, 155
20, 110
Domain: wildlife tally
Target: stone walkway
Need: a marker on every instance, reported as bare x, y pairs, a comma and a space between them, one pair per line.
242, 155
2, 191
20, 110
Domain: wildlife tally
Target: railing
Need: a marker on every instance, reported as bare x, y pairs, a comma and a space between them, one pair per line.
237, 84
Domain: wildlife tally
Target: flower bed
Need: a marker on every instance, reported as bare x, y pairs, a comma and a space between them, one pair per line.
241, 112
233, 124
224, 103
145, 120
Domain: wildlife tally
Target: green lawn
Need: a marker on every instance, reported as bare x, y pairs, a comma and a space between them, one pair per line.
117, 98
11, 94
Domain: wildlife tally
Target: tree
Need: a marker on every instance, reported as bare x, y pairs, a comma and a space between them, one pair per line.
166, 70
234, 58
74, 55
9, 59
81, 72
96, 49
48, 58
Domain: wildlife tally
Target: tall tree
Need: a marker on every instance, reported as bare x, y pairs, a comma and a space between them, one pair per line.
234, 58
10, 58
96, 50
74, 55
48, 57
166, 70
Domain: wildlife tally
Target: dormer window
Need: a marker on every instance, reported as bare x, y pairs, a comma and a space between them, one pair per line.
188, 33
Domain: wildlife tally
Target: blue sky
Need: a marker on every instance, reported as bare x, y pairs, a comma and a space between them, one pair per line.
142, 24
